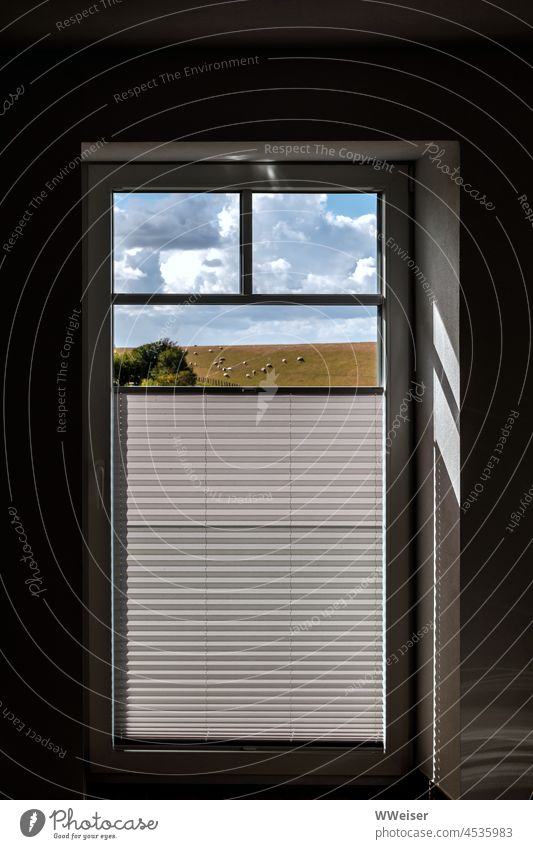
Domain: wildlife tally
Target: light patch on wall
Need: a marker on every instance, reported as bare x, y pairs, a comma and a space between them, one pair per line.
446, 436
446, 353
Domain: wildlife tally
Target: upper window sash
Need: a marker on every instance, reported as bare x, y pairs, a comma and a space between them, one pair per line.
334, 226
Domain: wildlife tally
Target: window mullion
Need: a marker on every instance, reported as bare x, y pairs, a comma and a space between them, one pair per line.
246, 243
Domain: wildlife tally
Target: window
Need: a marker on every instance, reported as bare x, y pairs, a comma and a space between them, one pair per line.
261, 345
248, 326
165, 242
309, 242
199, 244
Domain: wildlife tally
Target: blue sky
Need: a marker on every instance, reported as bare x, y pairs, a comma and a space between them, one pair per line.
239, 325
189, 243
352, 204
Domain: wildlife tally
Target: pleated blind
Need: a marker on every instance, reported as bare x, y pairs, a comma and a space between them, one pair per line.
248, 567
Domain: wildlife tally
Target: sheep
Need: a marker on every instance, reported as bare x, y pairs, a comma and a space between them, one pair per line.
247, 375
254, 371
269, 365
263, 369
221, 359
226, 374
244, 363
283, 360
228, 368
210, 350
299, 359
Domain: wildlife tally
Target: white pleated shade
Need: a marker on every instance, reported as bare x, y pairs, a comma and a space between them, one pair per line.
248, 566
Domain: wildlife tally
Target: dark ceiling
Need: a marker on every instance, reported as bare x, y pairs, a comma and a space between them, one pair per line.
263, 23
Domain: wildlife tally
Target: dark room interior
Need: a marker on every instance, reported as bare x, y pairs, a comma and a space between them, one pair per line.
424, 110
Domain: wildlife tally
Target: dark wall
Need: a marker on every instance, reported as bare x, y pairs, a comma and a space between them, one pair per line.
473, 97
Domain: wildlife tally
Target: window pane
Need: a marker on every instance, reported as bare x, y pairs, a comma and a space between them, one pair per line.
260, 345
314, 243
182, 242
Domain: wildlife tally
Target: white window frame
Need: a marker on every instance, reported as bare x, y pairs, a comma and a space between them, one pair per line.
327, 763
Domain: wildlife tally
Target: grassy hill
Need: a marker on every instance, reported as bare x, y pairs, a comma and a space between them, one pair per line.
332, 364
328, 364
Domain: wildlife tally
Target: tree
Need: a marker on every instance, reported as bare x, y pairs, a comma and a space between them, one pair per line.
170, 378
150, 352
160, 363
127, 368
172, 369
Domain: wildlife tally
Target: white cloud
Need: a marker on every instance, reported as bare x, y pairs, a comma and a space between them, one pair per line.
280, 264
364, 274
124, 271
228, 218
167, 240
365, 224
329, 252
282, 231
204, 271
314, 328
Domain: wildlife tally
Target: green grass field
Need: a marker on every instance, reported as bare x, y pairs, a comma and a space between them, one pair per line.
332, 364
327, 364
